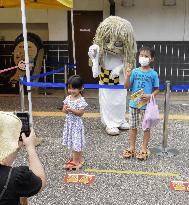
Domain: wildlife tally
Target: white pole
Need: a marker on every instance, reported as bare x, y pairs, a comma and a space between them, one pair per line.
26, 58
45, 77
73, 39
21, 92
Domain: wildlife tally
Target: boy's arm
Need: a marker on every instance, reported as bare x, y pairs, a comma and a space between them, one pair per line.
127, 77
146, 97
155, 92
156, 85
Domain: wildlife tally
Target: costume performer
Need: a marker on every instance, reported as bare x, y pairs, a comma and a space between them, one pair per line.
114, 47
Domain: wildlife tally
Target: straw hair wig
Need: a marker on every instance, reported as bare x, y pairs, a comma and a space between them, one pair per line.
10, 127
117, 29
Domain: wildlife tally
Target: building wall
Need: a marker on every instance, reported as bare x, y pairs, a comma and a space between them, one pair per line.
11, 24
151, 21
154, 22
88, 4
9, 31
57, 21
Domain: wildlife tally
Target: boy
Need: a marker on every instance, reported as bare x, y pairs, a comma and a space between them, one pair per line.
144, 79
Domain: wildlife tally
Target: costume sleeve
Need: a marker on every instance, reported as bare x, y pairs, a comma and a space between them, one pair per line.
26, 183
156, 81
82, 103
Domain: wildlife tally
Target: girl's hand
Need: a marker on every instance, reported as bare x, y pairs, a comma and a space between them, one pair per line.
129, 69
64, 109
69, 109
146, 97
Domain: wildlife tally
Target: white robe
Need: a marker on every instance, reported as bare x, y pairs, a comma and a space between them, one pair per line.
113, 101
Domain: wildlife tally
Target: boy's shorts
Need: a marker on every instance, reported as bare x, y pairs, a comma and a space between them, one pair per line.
135, 117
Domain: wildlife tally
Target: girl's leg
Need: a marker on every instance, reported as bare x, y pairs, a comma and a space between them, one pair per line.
76, 161
77, 157
146, 139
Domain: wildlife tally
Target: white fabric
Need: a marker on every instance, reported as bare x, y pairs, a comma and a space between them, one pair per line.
113, 101
112, 106
94, 56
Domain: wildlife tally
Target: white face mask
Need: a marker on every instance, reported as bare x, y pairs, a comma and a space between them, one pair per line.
144, 61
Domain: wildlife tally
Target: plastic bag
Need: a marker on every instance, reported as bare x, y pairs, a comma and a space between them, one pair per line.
151, 116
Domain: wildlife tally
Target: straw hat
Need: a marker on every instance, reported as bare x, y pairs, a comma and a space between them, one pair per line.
10, 127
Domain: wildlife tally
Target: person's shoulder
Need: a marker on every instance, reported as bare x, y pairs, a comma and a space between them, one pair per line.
153, 71
82, 99
21, 173
68, 97
83, 102
20, 169
135, 70
26, 183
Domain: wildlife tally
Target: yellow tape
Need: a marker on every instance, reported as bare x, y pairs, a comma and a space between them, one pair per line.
97, 115
162, 174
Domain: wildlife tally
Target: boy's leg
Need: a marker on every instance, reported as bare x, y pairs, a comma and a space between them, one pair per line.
146, 139
130, 152
133, 122
132, 138
144, 153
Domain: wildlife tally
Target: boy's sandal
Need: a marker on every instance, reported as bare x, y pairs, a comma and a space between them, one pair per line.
72, 166
142, 155
128, 153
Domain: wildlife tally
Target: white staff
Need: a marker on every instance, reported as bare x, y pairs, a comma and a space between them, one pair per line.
73, 39
26, 58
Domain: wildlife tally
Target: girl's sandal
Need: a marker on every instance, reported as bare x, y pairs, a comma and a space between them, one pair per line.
82, 161
142, 155
127, 154
72, 166
67, 164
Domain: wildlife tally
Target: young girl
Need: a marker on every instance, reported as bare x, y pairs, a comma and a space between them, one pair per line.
73, 133
144, 78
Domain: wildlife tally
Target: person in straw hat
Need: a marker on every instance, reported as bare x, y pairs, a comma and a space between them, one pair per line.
22, 181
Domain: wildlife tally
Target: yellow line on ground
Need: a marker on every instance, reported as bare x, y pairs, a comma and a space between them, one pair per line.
161, 174
48, 114
97, 115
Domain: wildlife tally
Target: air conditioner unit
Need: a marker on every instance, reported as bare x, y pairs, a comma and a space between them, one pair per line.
127, 3
169, 2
